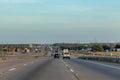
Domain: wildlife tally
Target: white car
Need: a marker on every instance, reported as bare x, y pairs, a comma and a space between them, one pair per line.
66, 55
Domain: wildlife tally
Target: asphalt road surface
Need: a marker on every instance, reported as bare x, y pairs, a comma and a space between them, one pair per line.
59, 69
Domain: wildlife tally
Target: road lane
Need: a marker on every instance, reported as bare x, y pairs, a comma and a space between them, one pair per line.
59, 69
50, 69
54, 70
90, 70
17, 63
17, 68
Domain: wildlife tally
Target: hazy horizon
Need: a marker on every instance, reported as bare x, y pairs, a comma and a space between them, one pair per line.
59, 21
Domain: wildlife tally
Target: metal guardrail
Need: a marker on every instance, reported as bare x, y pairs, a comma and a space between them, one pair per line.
109, 59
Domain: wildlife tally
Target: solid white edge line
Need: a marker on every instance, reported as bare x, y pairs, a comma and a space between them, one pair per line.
66, 65
25, 64
12, 69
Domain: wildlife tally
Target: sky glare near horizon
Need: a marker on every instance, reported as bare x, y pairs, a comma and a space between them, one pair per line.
49, 21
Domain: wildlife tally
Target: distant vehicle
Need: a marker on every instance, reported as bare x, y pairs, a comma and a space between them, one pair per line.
26, 50
65, 51
66, 54
56, 55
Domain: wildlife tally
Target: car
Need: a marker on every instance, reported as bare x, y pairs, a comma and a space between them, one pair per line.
66, 55
56, 55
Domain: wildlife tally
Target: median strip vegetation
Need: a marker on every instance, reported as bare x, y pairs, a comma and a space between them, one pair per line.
33, 56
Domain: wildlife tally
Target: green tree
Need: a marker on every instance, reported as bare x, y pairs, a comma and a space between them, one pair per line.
106, 47
98, 48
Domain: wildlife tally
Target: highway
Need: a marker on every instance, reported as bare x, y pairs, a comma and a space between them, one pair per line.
59, 69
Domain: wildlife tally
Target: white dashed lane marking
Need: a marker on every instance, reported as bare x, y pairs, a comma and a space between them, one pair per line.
12, 69
25, 64
71, 70
66, 65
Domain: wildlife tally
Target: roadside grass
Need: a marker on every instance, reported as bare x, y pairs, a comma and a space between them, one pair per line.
36, 56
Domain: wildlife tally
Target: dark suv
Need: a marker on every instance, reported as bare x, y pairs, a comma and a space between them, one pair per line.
57, 55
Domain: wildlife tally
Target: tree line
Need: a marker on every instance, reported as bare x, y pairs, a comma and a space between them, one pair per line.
93, 47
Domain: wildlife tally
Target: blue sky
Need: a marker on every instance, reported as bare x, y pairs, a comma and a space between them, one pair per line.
49, 21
